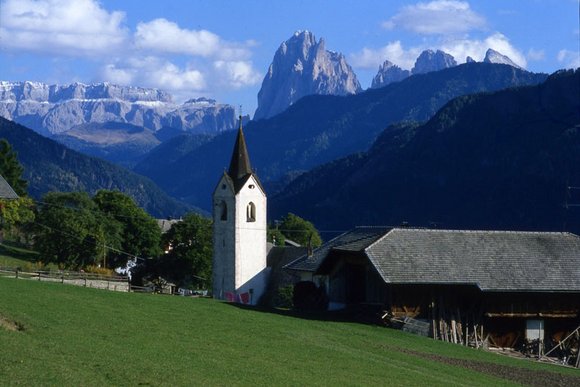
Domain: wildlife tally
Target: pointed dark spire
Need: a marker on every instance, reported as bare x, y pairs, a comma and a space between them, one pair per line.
240, 164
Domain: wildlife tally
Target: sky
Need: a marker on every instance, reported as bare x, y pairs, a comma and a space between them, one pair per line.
222, 49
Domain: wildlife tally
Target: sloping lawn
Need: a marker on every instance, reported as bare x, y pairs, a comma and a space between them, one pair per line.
14, 256
53, 334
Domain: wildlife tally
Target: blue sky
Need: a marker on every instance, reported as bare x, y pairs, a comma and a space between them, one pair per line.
222, 49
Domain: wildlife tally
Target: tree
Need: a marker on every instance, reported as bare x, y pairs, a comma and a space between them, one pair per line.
189, 259
72, 232
299, 230
13, 212
139, 233
11, 169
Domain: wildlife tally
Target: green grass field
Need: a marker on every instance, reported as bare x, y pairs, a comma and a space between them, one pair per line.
53, 334
12, 255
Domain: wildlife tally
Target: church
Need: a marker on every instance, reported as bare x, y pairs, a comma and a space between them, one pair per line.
239, 230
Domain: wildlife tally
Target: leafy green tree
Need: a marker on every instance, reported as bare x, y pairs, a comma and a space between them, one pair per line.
72, 232
275, 236
139, 233
299, 230
14, 213
11, 169
188, 261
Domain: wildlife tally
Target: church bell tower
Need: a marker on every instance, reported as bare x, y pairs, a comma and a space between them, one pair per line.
239, 230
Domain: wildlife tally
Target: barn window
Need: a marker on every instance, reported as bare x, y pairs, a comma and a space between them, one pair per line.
223, 210
251, 212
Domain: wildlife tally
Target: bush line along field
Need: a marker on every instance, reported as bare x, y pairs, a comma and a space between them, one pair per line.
53, 334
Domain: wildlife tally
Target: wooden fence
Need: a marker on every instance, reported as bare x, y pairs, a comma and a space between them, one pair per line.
92, 280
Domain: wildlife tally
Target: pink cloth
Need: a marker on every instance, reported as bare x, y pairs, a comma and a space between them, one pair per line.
245, 298
230, 297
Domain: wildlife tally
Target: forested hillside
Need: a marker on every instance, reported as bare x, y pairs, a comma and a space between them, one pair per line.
318, 129
491, 161
50, 166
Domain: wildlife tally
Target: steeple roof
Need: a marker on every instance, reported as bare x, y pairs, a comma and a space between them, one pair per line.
240, 163
240, 168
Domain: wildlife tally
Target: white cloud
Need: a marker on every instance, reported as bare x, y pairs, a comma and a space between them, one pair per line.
70, 27
238, 73
436, 17
536, 55
162, 35
155, 72
569, 59
459, 48
394, 52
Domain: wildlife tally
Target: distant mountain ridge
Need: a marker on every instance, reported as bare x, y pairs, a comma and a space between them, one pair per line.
50, 166
487, 161
429, 61
55, 109
318, 129
302, 66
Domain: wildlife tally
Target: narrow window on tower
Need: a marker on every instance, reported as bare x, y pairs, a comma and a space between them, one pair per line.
251, 212
223, 211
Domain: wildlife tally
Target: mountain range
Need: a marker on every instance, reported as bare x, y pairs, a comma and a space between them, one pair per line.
119, 123
500, 160
428, 61
50, 166
320, 128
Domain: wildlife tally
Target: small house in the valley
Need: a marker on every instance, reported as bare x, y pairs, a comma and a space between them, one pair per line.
503, 288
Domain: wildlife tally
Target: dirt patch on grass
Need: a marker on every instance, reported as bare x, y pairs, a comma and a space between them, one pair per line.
515, 374
10, 325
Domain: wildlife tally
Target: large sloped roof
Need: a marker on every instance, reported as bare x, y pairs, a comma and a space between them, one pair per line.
6, 191
490, 260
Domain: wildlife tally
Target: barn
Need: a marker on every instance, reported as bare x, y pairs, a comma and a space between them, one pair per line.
494, 288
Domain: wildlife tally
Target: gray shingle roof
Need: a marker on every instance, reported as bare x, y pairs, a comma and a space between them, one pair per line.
492, 260
355, 240
6, 191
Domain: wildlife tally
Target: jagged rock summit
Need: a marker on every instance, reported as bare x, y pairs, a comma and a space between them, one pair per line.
55, 109
389, 73
430, 60
302, 66
492, 56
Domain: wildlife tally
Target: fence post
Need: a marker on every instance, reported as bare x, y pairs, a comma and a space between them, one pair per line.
16, 273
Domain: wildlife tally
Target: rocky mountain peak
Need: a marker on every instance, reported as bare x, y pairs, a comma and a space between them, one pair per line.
492, 56
430, 60
389, 73
302, 66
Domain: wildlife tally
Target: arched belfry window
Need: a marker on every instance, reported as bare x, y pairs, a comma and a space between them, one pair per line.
251, 212
223, 210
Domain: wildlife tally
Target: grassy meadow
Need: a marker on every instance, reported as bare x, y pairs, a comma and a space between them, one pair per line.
11, 255
53, 334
